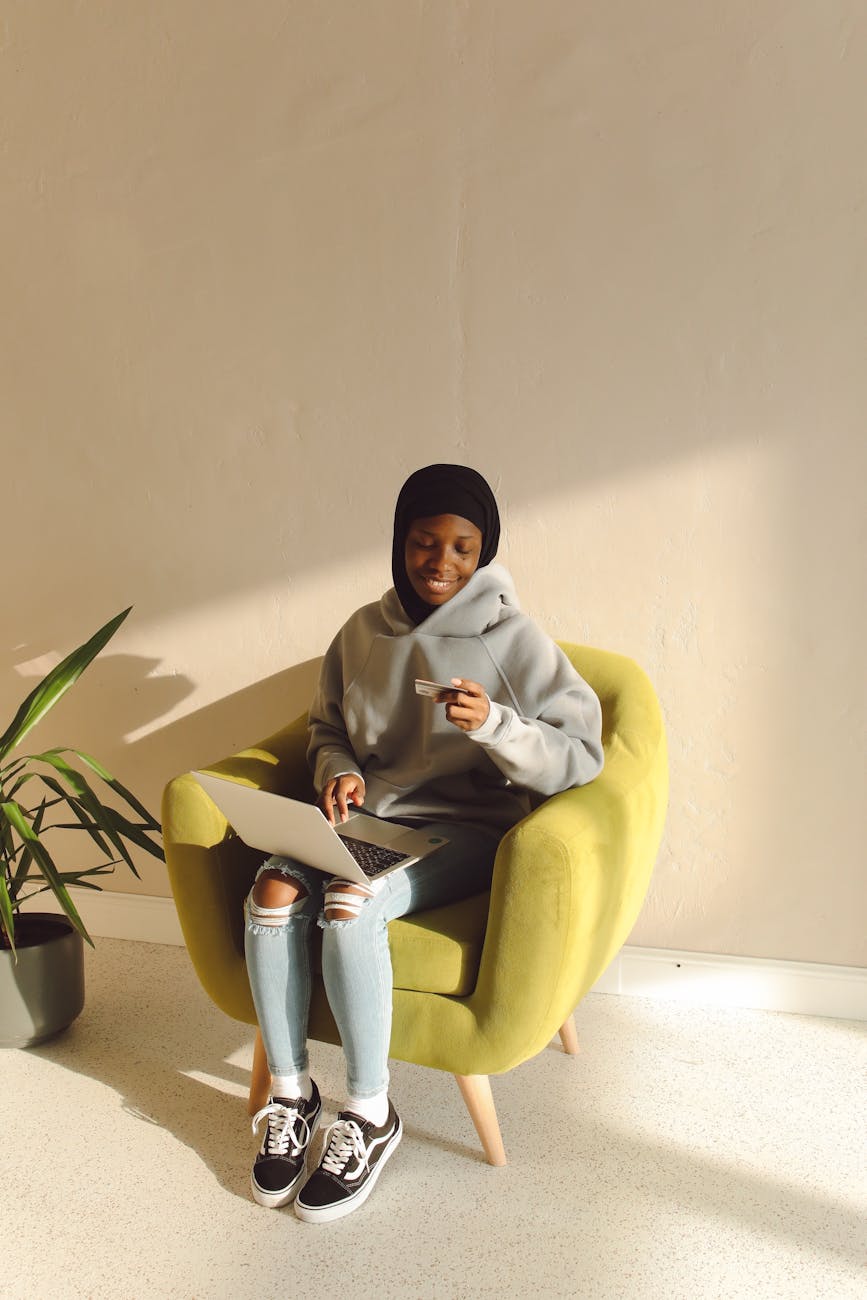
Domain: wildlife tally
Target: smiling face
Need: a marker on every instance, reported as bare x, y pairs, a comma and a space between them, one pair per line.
441, 555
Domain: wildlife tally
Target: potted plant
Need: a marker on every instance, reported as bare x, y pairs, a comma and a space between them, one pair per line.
41, 953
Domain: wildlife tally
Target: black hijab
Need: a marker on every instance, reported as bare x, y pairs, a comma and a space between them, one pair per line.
441, 490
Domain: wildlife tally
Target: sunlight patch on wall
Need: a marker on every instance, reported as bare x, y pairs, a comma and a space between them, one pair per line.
40, 666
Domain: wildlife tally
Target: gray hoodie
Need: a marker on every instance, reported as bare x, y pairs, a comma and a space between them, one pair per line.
543, 733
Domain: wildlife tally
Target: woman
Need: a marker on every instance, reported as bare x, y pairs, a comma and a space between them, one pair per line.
519, 723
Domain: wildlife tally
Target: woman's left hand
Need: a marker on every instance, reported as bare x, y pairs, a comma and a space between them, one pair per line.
469, 707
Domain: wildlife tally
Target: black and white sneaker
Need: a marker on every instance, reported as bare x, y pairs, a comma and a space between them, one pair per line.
279, 1167
354, 1154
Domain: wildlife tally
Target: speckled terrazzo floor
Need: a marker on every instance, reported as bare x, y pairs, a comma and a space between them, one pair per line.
686, 1153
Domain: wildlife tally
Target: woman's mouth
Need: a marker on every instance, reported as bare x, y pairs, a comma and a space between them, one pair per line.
437, 586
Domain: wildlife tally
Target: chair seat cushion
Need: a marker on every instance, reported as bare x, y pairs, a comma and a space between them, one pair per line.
439, 951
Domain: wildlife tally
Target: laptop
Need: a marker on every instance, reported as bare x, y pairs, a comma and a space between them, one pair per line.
360, 849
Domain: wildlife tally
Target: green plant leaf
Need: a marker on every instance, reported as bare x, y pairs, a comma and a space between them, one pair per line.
33, 776
55, 684
21, 876
84, 820
22, 780
23, 867
7, 844
7, 915
11, 770
131, 829
137, 834
89, 801
77, 878
43, 858
112, 781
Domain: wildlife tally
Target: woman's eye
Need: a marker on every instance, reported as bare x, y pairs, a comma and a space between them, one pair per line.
463, 552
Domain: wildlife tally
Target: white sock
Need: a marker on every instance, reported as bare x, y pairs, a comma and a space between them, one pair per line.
291, 1086
373, 1108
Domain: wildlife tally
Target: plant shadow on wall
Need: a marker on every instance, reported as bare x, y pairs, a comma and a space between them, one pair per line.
119, 695
123, 698
118, 713
235, 722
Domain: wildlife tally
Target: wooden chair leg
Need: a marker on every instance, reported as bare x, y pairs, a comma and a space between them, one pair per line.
569, 1037
260, 1079
476, 1092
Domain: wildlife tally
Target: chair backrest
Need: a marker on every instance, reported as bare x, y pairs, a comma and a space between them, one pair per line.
633, 730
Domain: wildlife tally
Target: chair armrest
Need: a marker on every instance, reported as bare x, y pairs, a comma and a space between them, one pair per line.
210, 872
569, 881
568, 886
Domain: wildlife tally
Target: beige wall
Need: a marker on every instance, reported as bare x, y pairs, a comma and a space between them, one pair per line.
260, 261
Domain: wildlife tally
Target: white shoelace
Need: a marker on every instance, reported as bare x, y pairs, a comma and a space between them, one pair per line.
343, 1140
282, 1132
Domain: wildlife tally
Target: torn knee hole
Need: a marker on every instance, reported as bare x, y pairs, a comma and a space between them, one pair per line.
274, 899
344, 900
275, 889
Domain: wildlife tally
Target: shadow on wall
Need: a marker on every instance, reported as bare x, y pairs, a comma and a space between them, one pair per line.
228, 725
116, 696
125, 697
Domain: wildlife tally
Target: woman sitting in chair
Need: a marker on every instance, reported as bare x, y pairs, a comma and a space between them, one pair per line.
516, 722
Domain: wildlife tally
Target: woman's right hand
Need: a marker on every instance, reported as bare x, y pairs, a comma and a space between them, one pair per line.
337, 794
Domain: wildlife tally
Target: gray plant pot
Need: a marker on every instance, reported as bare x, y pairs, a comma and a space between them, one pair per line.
43, 991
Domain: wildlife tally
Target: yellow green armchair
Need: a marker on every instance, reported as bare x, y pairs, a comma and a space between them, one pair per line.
484, 984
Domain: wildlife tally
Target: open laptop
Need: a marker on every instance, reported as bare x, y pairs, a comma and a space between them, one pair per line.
360, 849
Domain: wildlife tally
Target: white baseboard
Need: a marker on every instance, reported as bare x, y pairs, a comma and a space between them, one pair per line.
707, 979
699, 979
110, 915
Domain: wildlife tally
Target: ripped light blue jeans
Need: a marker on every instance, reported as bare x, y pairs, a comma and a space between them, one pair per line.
356, 962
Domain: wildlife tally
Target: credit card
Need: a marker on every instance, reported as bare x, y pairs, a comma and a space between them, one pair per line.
433, 689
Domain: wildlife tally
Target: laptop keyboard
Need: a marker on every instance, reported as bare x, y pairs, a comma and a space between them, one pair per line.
372, 858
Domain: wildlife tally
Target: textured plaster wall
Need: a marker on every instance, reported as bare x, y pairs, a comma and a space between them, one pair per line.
260, 261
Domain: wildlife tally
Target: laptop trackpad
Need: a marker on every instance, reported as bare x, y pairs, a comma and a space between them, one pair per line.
415, 843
